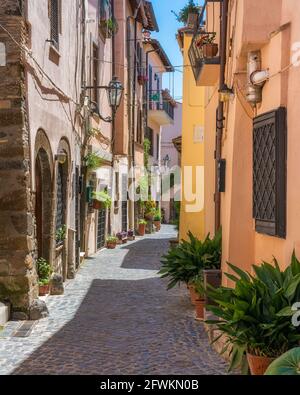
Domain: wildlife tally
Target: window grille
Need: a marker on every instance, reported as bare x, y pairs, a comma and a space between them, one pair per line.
269, 173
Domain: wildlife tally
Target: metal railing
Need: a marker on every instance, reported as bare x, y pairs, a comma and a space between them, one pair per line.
158, 102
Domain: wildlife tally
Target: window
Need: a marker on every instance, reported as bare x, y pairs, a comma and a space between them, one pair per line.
139, 137
95, 81
149, 136
269, 173
55, 12
104, 10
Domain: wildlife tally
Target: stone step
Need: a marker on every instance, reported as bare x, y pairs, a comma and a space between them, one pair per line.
4, 314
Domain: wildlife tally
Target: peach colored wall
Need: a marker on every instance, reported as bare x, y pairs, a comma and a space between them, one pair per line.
273, 30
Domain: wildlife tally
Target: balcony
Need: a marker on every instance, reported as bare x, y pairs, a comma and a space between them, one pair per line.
204, 58
161, 107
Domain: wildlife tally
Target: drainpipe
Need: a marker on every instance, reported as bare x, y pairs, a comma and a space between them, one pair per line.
220, 111
131, 102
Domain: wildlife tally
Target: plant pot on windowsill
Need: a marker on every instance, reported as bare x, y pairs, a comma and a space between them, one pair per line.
210, 50
258, 365
97, 205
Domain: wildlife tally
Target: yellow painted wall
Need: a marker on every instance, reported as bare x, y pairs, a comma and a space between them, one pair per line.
192, 152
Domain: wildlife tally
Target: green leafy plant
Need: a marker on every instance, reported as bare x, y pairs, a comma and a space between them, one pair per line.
103, 197
142, 222
61, 234
286, 365
189, 8
92, 161
188, 260
44, 271
111, 239
157, 216
206, 39
256, 315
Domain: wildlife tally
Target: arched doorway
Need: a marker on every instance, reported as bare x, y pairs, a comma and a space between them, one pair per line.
43, 206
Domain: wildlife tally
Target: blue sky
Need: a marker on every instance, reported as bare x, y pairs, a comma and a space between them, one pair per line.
168, 27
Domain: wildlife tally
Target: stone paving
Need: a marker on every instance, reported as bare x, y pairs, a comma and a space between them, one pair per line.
116, 317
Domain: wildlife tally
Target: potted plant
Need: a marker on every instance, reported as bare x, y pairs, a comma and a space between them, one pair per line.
209, 48
111, 242
199, 300
61, 234
288, 364
93, 161
157, 220
142, 227
256, 315
131, 235
124, 237
101, 200
108, 27
119, 237
187, 261
189, 14
142, 79
44, 273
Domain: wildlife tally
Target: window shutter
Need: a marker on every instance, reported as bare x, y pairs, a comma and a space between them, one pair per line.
269, 173
55, 21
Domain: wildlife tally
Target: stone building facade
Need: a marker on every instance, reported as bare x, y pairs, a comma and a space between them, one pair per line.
40, 135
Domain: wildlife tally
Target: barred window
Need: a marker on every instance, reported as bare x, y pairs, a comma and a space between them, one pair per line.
269, 173
55, 21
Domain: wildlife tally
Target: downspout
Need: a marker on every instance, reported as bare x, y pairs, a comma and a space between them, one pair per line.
131, 102
220, 111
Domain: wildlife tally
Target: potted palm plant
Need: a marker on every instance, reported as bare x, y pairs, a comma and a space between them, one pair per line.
142, 227
111, 242
256, 315
187, 261
44, 274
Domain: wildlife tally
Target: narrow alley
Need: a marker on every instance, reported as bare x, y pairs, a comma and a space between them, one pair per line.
115, 318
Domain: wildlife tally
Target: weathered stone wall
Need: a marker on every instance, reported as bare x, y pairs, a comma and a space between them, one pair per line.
18, 279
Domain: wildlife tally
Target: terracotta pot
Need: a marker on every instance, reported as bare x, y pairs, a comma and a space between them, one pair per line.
44, 289
258, 365
193, 294
142, 229
97, 205
210, 50
149, 217
199, 306
157, 225
111, 246
174, 243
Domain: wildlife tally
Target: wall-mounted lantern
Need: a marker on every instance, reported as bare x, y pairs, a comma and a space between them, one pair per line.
61, 157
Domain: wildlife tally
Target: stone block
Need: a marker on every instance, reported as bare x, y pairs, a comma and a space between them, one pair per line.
4, 313
56, 285
38, 310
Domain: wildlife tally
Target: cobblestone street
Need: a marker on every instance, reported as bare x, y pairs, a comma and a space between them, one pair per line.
116, 317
